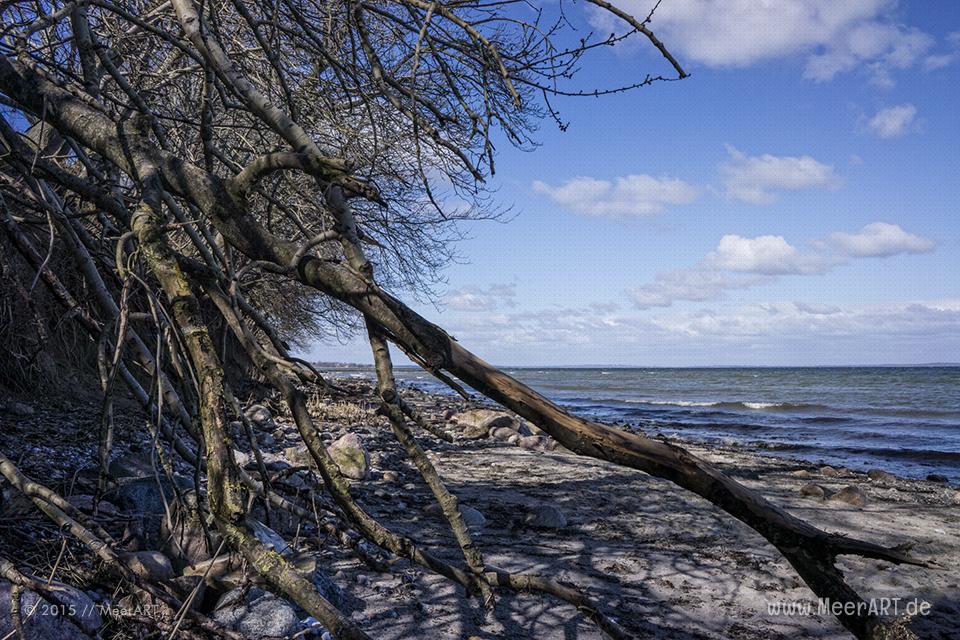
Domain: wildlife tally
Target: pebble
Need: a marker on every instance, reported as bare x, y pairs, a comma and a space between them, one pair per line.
829, 472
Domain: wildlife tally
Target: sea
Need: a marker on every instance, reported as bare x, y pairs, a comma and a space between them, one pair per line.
905, 420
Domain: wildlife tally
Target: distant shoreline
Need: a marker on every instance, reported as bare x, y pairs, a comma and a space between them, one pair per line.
336, 366
904, 420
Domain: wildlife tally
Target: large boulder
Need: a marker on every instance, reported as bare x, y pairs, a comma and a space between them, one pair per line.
298, 456
546, 516
256, 614
152, 566
854, 496
537, 443
351, 456
502, 433
260, 416
185, 536
477, 423
472, 517
811, 490
149, 501
132, 465
829, 472
876, 475
46, 623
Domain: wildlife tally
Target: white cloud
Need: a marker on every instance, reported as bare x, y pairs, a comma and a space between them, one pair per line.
879, 239
943, 60
754, 179
939, 61
695, 284
478, 299
834, 37
798, 321
765, 255
816, 308
626, 196
882, 47
767, 333
739, 263
892, 122
605, 307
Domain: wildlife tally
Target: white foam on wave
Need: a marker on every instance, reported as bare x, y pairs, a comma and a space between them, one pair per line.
762, 405
676, 403
697, 403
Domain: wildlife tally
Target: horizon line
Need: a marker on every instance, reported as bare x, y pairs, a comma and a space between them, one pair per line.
641, 366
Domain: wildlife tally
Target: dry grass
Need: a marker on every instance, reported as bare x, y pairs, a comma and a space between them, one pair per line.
341, 411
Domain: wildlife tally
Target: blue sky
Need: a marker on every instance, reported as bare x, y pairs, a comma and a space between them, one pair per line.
793, 202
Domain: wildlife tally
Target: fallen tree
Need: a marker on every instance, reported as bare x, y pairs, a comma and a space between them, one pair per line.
208, 169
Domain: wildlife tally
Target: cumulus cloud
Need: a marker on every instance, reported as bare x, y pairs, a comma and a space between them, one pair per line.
765, 255
833, 37
481, 299
755, 179
624, 197
882, 47
892, 122
878, 240
739, 262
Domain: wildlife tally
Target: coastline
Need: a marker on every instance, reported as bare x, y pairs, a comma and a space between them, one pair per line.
686, 569
682, 568
667, 562
903, 420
